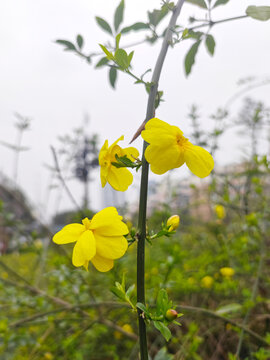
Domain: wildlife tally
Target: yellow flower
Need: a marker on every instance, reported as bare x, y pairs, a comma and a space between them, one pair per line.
220, 211
118, 178
227, 272
118, 335
207, 282
99, 240
169, 149
173, 222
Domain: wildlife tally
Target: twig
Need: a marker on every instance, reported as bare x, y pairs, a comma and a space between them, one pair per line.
57, 167
212, 314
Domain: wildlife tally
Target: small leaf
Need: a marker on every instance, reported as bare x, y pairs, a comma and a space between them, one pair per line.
130, 290
68, 44
117, 41
162, 302
259, 12
103, 61
135, 27
80, 41
121, 58
107, 52
163, 329
130, 56
210, 44
118, 16
103, 24
142, 307
220, 2
190, 57
156, 16
112, 76
200, 3
118, 293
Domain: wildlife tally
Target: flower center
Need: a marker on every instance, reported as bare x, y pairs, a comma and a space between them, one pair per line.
181, 140
86, 222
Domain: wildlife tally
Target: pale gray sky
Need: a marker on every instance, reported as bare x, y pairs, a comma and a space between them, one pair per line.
56, 88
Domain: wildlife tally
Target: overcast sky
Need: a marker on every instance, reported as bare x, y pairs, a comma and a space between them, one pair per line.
56, 88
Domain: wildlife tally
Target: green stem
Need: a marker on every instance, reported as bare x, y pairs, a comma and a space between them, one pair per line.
144, 181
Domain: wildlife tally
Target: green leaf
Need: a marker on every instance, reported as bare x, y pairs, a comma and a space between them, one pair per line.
118, 16
210, 44
259, 12
102, 62
121, 58
69, 46
163, 329
143, 308
117, 40
107, 52
130, 290
200, 3
163, 302
103, 24
135, 27
220, 2
117, 292
130, 56
112, 76
80, 41
190, 57
156, 16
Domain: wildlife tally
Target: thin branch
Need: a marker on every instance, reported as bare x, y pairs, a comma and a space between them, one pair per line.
57, 167
214, 315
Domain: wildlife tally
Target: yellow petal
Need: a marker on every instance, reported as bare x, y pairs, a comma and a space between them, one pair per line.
105, 217
119, 178
111, 247
131, 153
113, 144
104, 170
102, 264
157, 130
68, 234
164, 158
84, 249
198, 160
114, 228
103, 152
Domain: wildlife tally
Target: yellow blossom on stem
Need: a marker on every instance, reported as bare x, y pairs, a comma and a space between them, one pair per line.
126, 327
99, 240
173, 222
207, 282
220, 211
119, 178
227, 272
169, 149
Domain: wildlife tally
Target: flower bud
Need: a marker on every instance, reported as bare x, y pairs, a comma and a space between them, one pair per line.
173, 222
171, 314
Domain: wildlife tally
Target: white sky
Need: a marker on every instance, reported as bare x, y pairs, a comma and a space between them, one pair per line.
56, 88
